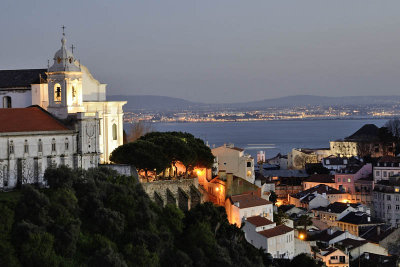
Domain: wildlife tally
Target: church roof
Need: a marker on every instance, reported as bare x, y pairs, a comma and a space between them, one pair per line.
21, 78
30, 119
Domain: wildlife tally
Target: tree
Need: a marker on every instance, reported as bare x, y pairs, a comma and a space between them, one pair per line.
273, 197
280, 217
304, 220
142, 154
303, 260
393, 127
138, 129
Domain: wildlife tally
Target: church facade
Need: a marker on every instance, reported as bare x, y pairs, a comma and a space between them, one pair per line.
66, 88
55, 116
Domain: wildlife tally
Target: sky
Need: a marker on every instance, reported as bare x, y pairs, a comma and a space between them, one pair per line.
214, 51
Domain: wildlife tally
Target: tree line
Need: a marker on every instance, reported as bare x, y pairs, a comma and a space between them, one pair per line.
99, 218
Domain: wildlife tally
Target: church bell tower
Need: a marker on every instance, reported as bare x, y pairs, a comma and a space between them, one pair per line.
64, 83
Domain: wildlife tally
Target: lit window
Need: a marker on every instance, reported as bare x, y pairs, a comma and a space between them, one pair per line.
349, 180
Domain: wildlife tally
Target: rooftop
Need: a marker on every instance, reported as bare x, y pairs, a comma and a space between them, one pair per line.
337, 207
259, 221
377, 233
248, 200
360, 218
326, 235
321, 178
30, 119
319, 189
22, 78
367, 132
276, 231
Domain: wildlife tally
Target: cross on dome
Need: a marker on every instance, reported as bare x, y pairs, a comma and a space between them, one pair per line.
64, 59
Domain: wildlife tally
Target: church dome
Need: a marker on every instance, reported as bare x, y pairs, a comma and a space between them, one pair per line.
64, 59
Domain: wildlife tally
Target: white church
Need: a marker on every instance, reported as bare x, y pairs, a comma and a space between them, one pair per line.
54, 116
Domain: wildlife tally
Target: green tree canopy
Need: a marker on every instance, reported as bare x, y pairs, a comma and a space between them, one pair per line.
158, 150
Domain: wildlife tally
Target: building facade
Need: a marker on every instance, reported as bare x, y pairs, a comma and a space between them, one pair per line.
66, 88
29, 146
233, 160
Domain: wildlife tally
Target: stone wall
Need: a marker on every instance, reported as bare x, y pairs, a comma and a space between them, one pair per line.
183, 193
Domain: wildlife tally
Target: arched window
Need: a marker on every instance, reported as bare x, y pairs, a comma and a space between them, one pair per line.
26, 147
6, 101
57, 92
66, 144
114, 132
11, 147
53, 145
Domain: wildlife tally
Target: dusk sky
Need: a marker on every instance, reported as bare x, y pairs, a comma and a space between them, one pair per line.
214, 51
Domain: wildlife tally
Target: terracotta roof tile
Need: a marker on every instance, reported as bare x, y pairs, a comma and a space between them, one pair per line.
31, 119
259, 221
278, 230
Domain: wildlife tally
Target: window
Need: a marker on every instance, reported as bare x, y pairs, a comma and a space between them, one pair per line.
338, 179
389, 207
57, 92
40, 146
396, 198
53, 145
388, 197
384, 174
6, 101
26, 147
114, 132
349, 180
66, 144
377, 173
11, 147
248, 164
397, 207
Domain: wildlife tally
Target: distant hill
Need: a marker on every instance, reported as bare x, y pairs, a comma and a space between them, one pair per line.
157, 103
165, 103
303, 100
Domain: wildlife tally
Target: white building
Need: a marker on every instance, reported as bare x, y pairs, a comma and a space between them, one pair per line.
233, 160
64, 89
386, 167
276, 240
239, 207
32, 140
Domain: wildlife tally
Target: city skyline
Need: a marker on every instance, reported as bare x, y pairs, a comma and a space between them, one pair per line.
211, 52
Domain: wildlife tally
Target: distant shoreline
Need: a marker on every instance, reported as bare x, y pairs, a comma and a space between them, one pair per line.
259, 120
